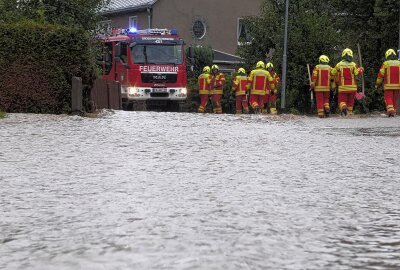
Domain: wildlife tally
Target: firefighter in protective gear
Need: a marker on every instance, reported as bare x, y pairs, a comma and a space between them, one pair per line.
217, 88
321, 83
240, 89
257, 84
389, 75
271, 95
203, 83
346, 72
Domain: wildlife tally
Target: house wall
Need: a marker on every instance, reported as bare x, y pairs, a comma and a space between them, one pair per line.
220, 17
122, 20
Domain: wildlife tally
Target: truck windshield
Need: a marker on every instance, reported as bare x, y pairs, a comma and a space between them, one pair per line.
157, 54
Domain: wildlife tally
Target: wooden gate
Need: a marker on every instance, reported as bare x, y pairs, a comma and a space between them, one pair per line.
106, 95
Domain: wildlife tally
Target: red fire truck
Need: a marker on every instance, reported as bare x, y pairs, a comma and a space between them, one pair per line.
150, 65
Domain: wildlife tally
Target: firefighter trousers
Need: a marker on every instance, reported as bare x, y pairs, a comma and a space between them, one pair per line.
256, 101
216, 99
346, 100
241, 100
203, 103
270, 102
322, 98
391, 97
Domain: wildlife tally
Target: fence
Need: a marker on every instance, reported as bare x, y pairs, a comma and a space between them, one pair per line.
106, 95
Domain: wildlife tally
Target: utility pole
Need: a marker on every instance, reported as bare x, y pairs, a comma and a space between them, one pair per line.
284, 62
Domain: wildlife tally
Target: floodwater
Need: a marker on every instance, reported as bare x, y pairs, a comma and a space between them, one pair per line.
146, 190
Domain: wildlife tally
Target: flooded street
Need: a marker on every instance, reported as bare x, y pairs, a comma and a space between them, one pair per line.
146, 190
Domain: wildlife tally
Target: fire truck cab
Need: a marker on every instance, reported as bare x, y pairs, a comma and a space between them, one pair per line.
150, 65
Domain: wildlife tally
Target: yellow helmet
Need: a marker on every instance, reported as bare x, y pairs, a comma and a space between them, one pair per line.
260, 64
215, 67
348, 52
389, 53
323, 59
241, 70
269, 65
206, 69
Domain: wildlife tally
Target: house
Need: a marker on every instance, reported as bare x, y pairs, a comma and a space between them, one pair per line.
218, 24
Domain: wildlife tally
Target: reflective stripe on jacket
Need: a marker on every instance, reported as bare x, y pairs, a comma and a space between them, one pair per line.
203, 82
258, 81
346, 73
321, 77
275, 82
240, 85
390, 71
217, 84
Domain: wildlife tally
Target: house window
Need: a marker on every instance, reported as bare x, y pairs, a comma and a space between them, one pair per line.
243, 33
133, 22
199, 29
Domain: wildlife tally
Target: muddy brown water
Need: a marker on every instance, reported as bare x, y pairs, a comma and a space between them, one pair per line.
146, 190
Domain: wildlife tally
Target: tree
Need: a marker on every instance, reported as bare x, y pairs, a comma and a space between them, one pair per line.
81, 13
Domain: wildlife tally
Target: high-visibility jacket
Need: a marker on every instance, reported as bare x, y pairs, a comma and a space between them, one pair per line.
258, 81
240, 85
390, 72
321, 77
346, 73
203, 83
276, 80
217, 84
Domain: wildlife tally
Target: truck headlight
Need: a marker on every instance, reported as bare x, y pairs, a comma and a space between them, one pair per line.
132, 91
184, 91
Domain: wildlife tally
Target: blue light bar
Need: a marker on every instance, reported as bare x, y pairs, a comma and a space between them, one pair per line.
174, 32
132, 30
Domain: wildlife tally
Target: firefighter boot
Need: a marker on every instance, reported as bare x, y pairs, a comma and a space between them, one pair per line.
344, 110
327, 112
390, 111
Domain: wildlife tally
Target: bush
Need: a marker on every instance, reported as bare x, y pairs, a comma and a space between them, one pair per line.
37, 64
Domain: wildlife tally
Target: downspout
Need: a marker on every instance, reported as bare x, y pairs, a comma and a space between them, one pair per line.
149, 16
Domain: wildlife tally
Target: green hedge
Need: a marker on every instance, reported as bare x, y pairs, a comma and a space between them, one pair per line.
37, 63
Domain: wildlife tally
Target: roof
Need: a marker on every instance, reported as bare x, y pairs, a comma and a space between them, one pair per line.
117, 6
223, 57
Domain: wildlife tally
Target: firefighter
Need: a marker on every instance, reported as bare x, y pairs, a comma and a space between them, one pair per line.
346, 72
240, 89
321, 83
271, 95
203, 82
217, 88
389, 75
257, 84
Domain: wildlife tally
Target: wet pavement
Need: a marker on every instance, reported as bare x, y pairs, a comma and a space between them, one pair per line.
147, 190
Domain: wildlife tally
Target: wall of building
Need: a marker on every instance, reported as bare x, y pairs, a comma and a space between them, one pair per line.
122, 20
220, 17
